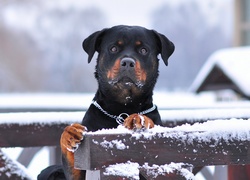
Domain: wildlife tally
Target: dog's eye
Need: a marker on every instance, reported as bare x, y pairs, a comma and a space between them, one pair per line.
143, 51
113, 49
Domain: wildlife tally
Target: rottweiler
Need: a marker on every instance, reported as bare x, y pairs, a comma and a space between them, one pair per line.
126, 71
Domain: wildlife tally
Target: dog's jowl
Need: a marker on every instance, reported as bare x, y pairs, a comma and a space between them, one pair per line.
126, 72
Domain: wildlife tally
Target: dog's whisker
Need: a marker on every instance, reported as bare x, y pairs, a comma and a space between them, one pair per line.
112, 82
139, 84
128, 98
129, 83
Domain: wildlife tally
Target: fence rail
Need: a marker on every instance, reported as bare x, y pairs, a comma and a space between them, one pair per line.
194, 149
103, 150
35, 129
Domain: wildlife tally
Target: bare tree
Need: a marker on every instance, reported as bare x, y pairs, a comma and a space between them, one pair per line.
195, 38
47, 55
16, 66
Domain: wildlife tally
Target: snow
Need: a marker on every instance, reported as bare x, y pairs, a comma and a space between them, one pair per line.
41, 159
170, 168
118, 144
13, 168
12, 16
174, 102
45, 100
212, 131
238, 126
215, 130
193, 115
41, 118
131, 170
234, 62
73, 101
225, 129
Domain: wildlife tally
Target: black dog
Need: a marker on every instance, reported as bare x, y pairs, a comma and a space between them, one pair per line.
126, 71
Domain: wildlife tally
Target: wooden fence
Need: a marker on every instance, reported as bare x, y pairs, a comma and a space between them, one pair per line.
159, 148
35, 129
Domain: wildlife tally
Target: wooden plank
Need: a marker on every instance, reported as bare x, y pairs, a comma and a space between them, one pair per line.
97, 152
30, 135
35, 129
27, 154
236, 172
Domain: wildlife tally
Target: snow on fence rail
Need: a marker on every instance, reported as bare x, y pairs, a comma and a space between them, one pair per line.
49, 102
44, 102
172, 118
33, 129
31, 126
220, 142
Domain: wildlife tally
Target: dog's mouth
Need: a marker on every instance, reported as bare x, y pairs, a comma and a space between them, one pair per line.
126, 82
127, 73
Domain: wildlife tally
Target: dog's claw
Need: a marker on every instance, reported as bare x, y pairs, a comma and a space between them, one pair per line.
138, 121
72, 137
73, 149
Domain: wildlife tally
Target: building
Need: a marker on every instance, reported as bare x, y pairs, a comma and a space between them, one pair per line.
226, 69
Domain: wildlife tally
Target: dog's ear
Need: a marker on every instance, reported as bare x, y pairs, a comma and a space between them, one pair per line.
92, 43
166, 47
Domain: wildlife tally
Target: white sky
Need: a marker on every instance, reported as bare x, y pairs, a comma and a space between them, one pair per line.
128, 12
138, 12
121, 11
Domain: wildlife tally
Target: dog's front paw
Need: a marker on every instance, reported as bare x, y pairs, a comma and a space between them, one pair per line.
138, 121
72, 137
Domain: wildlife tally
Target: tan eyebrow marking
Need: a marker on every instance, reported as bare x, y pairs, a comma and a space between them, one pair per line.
120, 42
138, 43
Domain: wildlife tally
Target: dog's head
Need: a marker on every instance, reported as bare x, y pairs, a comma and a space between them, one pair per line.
127, 64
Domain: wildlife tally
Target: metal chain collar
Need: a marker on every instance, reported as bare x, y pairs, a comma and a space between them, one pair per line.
120, 119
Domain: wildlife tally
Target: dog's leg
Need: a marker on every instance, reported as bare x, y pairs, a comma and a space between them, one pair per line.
138, 121
70, 140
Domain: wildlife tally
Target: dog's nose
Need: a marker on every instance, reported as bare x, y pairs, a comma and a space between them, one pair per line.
127, 63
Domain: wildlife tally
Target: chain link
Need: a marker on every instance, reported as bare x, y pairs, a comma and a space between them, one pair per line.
120, 119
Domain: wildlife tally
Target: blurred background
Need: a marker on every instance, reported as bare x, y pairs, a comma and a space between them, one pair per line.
41, 52
40, 41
